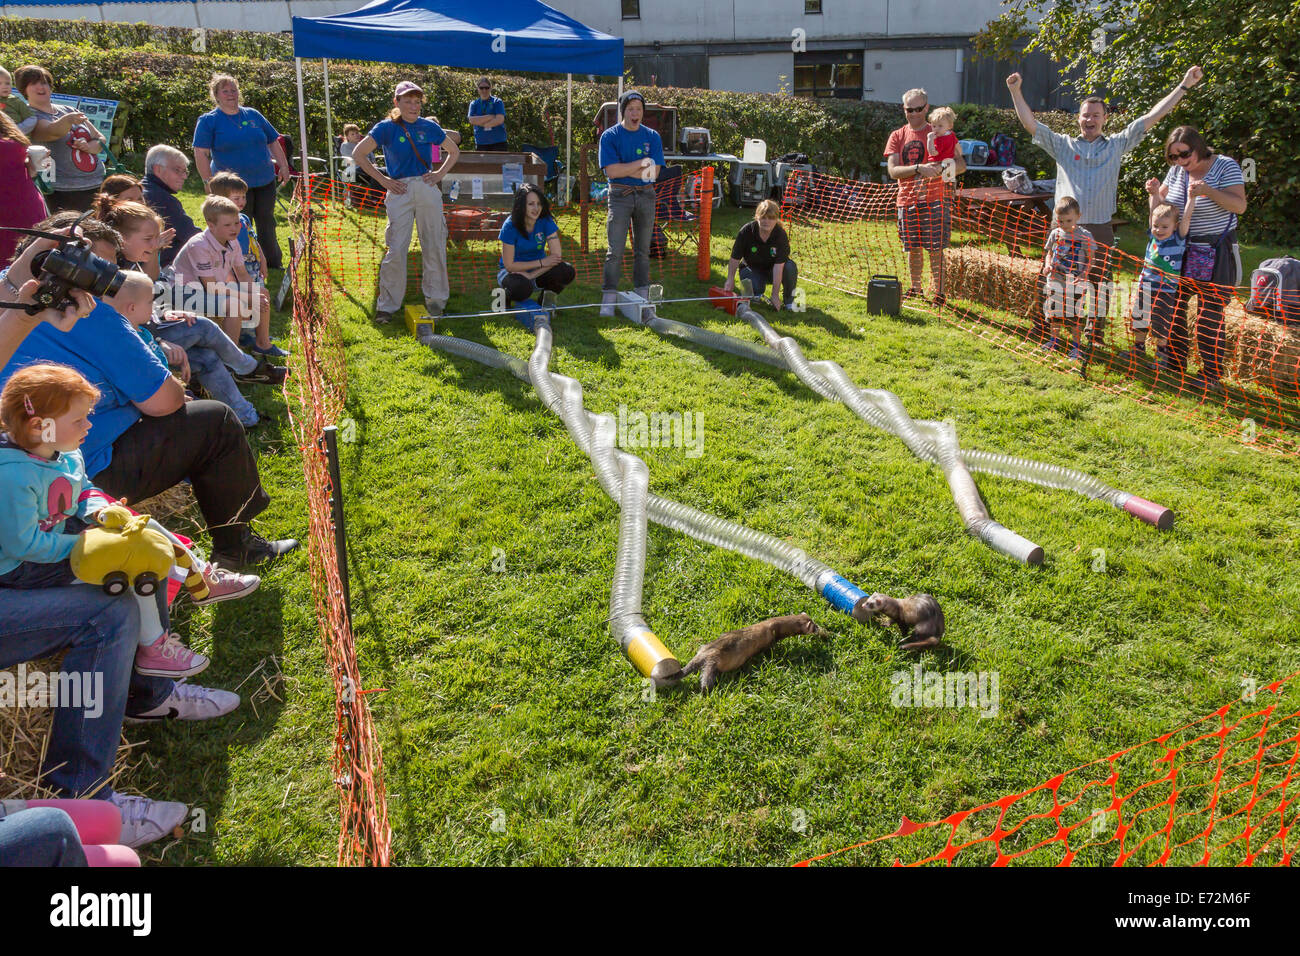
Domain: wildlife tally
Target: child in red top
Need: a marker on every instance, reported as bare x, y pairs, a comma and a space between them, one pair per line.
941, 142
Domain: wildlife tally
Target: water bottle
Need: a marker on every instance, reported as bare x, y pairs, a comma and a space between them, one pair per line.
454, 191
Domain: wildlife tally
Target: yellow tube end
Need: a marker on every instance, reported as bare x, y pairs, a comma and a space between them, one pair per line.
651, 658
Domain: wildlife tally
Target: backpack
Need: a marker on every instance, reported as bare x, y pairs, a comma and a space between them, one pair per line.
976, 151
1002, 150
1017, 180
1275, 291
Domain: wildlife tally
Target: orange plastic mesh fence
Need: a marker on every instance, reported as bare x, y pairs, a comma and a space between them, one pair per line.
315, 393
1221, 791
351, 222
998, 284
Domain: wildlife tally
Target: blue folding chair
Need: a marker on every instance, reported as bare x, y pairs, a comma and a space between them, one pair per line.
550, 155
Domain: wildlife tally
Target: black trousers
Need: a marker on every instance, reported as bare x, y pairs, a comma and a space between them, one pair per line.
555, 279
492, 148
762, 278
204, 442
261, 209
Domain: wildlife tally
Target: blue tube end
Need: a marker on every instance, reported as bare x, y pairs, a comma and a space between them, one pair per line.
527, 313
842, 593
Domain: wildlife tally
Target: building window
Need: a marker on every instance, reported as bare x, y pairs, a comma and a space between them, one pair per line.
829, 75
812, 6
631, 9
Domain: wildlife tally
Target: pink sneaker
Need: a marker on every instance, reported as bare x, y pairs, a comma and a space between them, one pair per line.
225, 585
168, 657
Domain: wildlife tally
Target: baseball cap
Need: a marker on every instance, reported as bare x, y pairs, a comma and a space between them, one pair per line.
406, 86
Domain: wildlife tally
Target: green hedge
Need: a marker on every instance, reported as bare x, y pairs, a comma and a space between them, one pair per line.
164, 84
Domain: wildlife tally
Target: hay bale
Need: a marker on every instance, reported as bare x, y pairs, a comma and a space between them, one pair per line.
1261, 350
24, 739
999, 281
176, 500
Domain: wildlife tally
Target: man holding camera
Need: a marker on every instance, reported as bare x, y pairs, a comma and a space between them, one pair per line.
146, 437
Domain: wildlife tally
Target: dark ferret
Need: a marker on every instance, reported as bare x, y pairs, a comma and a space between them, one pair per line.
919, 613
733, 649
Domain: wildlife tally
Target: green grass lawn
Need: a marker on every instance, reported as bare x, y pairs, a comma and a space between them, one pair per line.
482, 547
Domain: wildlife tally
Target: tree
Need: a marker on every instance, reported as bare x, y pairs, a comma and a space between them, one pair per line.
1135, 51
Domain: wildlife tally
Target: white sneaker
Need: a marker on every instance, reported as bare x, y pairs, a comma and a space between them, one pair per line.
190, 702
607, 305
144, 821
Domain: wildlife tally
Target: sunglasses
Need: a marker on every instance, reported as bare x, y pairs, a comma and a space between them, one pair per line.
1174, 157
915, 109
485, 87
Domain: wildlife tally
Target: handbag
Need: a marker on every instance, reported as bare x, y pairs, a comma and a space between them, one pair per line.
1214, 262
1198, 262
1225, 257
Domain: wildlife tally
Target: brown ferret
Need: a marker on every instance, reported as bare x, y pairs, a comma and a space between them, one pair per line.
733, 649
920, 611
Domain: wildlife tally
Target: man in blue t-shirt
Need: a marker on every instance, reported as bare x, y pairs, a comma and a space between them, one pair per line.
488, 115
145, 437
632, 157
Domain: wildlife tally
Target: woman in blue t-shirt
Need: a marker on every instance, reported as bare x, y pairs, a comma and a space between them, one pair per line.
413, 199
531, 257
241, 140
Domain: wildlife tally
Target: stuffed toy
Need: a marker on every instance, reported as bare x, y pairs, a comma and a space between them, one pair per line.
132, 551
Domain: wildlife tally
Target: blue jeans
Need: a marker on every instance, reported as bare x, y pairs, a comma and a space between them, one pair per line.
41, 836
100, 634
210, 351
635, 207
761, 277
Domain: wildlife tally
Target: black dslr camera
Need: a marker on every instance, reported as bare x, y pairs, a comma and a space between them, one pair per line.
70, 265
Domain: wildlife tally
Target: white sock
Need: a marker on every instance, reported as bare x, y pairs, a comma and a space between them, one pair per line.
150, 622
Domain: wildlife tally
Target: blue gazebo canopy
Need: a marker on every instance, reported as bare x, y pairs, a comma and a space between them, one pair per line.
507, 36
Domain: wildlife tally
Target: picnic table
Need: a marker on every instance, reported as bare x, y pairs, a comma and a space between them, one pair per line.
988, 206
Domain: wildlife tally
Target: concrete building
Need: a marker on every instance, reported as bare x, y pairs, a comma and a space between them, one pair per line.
853, 49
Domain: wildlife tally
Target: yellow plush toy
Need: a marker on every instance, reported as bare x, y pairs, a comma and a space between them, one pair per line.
125, 552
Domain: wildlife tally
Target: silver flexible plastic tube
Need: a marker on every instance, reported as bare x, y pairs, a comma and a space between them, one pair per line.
883, 410
625, 479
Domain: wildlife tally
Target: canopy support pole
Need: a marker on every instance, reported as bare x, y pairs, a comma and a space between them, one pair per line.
568, 142
329, 121
302, 130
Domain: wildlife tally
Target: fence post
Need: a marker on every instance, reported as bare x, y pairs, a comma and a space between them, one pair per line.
703, 265
329, 438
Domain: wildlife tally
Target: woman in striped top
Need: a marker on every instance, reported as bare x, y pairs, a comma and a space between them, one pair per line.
1219, 189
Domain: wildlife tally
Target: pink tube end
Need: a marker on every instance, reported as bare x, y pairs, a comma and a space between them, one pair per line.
1150, 512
